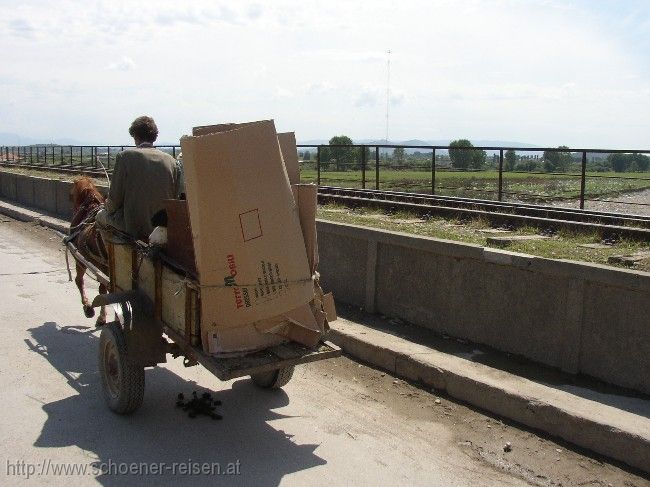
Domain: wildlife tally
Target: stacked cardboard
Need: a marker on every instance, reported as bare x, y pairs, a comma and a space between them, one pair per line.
254, 238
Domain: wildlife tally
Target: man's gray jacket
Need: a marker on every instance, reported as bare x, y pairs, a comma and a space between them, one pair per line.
143, 178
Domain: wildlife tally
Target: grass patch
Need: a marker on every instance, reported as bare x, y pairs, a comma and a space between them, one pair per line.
485, 184
563, 245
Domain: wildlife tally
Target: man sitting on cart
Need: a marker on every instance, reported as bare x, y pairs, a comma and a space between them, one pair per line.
143, 177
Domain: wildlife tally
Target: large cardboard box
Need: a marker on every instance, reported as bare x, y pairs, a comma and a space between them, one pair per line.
305, 196
248, 243
287, 141
289, 151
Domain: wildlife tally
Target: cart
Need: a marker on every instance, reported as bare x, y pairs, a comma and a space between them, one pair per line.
157, 307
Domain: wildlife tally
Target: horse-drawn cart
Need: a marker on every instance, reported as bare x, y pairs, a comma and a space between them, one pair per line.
157, 308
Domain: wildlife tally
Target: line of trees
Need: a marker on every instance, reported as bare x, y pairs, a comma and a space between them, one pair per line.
628, 162
462, 155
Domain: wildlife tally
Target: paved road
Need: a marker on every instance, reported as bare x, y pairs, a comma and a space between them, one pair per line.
337, 422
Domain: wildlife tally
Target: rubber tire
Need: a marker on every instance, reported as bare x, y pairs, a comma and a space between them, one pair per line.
130, 393
274, 379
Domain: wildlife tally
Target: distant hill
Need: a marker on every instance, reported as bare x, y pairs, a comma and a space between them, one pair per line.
438, 142
15, 139
7, 138
443, 142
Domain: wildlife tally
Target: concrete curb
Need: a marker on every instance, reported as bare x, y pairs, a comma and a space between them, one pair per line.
33, 215
604, 429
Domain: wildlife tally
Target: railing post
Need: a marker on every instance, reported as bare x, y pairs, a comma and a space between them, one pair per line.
433, 171
108, 157
61, 156
377, 167
174, 151
318, 166
363, 167
71, 151
500, 174
583, 180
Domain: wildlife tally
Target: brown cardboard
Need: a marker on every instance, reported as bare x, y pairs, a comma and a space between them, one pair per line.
220, 127
308, 323
329, 307
305, 196
289, 151
287, 141
180, 247
299, 325
248, 243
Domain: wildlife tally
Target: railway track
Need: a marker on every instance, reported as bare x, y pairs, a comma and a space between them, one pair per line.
61, 169
608, 225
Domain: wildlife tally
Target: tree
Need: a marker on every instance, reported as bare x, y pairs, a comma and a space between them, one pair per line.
510, 160
478, 158
641, 162
460, 153
398, 156
463, 156
557, 161
628, 162
619, 162
344, 157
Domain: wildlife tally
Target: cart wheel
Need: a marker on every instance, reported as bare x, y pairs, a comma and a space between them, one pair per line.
122, 378
274, 379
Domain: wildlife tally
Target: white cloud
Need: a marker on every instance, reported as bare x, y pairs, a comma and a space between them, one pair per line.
367, 98
319, 88
124, 64
21, 27
283, 93
512, 69
254, 11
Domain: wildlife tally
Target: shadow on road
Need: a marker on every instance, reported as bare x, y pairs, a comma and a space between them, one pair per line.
159, 432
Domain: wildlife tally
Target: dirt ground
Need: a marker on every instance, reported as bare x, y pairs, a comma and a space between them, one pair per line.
531, 456
633, 202
539, 460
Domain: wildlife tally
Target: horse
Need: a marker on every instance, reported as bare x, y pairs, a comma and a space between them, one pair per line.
84, 234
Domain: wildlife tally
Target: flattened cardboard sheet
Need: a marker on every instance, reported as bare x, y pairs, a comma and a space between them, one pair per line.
306, 196
248, 242
289, 151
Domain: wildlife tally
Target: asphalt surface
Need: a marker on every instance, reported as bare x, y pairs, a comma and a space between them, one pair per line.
337, 422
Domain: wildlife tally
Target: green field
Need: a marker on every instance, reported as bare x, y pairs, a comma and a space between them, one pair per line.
534, 187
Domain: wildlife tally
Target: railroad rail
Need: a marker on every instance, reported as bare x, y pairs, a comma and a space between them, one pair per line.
608, 225
547, 218
72, 169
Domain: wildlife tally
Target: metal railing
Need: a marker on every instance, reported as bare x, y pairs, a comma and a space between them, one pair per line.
431, 169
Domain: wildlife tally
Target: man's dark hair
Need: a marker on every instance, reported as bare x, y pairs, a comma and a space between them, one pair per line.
144, 128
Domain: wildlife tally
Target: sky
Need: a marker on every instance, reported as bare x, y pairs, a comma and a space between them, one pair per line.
544, 72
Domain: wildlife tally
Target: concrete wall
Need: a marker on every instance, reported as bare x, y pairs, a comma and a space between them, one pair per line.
50, 195
582, 318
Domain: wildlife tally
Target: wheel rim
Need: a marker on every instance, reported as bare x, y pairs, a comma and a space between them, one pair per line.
111, 368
